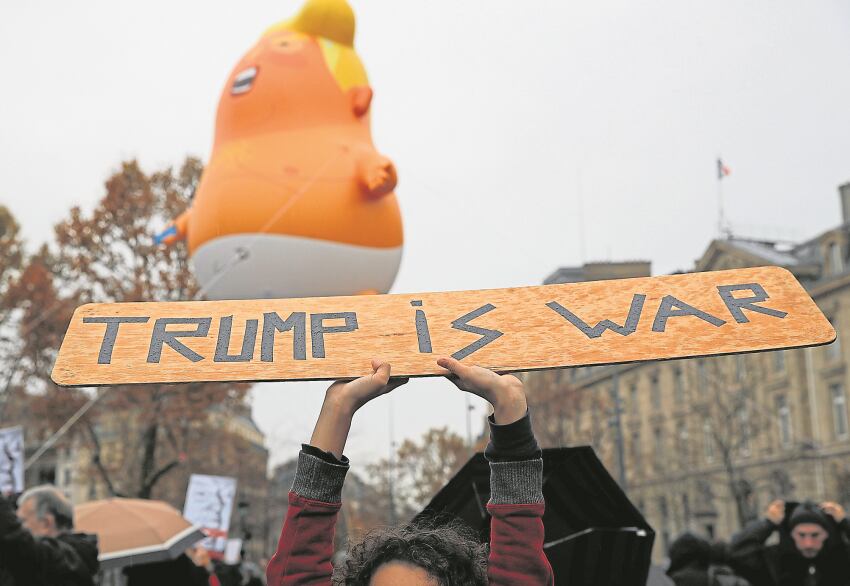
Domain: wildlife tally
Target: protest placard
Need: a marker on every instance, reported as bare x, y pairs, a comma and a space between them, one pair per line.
524, 328
209, 503
12, 459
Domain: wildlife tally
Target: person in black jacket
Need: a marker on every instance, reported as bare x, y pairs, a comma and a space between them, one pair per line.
696, 562
813, 548
38, 546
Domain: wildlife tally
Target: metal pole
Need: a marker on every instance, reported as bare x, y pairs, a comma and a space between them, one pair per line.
815, 421
391, 466
618, 428
61, 431
468, 422
721, 221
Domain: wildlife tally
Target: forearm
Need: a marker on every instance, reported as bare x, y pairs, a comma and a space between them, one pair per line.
332, 426
516, 505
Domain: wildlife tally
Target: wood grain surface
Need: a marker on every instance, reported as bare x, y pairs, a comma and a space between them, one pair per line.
525, 328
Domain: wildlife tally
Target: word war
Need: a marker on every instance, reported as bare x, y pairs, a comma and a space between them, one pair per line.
524, 328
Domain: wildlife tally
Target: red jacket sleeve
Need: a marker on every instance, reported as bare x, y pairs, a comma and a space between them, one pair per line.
516, 507
305, 546
516, 546
306, 543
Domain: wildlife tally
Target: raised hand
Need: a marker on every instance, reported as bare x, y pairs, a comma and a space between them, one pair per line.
775, 512
834, 510
353, 394
343, 399
504, 392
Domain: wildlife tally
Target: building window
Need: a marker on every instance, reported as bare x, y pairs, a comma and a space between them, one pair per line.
682, 448
679, 386
635, 451
833, 351
778, 361
658, 436
708, 440
783, 417
836, 263
665, 520
633, 399
655, 389
839, 410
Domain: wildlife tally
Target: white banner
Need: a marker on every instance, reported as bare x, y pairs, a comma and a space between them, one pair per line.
12, 459
209, 503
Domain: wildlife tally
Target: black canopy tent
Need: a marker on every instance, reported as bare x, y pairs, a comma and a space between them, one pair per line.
594, 535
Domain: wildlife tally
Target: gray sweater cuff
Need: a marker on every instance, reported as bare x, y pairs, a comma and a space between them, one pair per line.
318, 480
515, 483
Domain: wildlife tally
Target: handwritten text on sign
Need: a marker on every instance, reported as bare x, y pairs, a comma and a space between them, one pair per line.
506, 329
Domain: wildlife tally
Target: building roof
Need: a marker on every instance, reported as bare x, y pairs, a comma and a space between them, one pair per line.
596, 271
766, 250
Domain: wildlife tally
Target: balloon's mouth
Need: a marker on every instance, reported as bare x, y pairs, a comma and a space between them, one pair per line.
243, 81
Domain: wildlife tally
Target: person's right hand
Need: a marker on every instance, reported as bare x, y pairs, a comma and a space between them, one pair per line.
504, 392
343, 399
352, 395
775, 511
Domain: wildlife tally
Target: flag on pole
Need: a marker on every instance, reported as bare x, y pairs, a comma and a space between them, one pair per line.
722, 170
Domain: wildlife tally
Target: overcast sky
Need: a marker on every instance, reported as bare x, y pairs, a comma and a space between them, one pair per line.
509, 122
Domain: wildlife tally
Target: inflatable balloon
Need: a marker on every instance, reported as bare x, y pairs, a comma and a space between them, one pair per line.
295, 200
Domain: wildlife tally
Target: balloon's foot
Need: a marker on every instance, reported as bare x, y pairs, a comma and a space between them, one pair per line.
369, 292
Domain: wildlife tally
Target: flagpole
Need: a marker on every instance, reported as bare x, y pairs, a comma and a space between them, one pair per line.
720, 218
722, 229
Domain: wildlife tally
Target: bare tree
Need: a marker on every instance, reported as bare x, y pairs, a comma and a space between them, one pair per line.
732, 421
110, 255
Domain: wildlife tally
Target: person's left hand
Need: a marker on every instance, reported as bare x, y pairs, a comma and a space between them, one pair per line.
834, 510
504, 392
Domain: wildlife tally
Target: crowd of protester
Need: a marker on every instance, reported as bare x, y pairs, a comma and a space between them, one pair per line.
793, 544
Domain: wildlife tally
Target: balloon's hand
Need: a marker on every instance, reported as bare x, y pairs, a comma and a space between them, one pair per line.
504, 392
378, 176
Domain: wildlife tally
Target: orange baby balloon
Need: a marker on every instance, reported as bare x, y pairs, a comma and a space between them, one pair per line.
295, 200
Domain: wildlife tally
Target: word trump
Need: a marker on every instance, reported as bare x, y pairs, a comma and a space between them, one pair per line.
525, 328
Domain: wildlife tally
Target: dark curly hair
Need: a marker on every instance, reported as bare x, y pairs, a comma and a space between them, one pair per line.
449, 552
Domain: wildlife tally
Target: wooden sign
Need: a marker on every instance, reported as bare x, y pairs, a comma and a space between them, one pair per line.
526, 328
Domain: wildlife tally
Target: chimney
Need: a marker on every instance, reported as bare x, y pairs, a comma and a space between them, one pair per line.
844, 193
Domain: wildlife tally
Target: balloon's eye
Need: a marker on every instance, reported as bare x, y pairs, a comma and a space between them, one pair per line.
243, 81
284, 43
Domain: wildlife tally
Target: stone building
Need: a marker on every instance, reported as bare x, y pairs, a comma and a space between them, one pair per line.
705, 444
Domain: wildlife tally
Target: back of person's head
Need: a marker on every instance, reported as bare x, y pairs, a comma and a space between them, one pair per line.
449, 553
46, 505
689, 550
